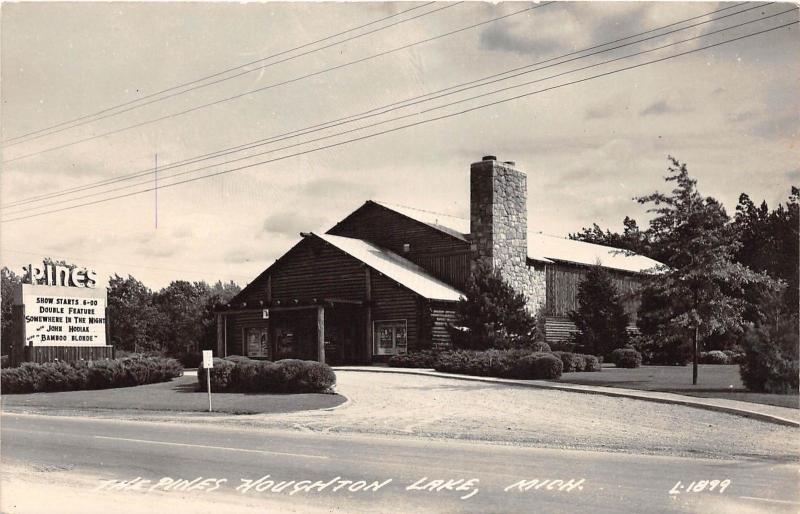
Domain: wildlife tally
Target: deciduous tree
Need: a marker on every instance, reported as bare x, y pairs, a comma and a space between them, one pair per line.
702, 283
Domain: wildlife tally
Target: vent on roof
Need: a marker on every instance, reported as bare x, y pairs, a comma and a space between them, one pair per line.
489, 158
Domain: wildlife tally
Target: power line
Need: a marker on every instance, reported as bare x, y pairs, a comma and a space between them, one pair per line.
277, 84
421, 122
386, 108
432, 108
241, 66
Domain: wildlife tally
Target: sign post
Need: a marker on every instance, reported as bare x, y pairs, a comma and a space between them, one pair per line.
208, 364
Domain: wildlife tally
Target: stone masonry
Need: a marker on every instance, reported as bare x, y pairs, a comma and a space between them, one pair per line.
499, 226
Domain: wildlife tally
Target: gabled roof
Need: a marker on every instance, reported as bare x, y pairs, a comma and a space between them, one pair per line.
397, 268
541, 247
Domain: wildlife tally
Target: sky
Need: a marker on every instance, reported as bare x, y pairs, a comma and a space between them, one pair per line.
731, 112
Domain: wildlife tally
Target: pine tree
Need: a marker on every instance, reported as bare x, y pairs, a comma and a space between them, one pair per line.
492, 315
600, 318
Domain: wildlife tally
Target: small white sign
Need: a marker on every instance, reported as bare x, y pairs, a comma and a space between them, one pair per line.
265, 314
208, 359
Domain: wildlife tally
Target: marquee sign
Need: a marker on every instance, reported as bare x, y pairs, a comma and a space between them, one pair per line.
62, 307
54, 275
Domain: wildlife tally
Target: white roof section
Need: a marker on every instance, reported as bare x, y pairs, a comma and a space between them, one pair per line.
541, 247
398, 268
551, 248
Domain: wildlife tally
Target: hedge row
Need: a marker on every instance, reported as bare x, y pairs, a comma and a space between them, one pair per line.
519, 364
240, 374
492, 362
30, 377
423, 359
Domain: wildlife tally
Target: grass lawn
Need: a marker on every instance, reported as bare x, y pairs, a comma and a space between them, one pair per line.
713, 381
178, 395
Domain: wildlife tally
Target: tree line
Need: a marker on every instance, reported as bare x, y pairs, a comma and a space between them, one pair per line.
177, 320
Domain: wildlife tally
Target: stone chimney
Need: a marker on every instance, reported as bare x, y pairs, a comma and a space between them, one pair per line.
499, 219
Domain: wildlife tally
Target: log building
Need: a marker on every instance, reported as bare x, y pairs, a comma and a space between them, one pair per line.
386, 279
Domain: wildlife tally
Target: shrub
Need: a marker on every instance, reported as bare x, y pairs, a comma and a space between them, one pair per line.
591, 363
666, 351
501, 363
61, 376
245, 374
221, 375
578, 362
314, 377
770, 362
423, 359
241, 374
734, 357
104, 374
541, 366
21, 379
571, 361
713, 357
626, 358
538, 346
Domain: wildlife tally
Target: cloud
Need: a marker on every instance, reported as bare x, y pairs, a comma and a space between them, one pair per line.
605, 111
290, 223
499, 38
658, 108
778, 127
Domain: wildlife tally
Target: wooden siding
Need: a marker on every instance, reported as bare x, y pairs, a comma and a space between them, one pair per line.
236, 322
442, 317
558, 330
312, 269
562, 289
450, 268
442, 255
390, 301
68, 353
317, 270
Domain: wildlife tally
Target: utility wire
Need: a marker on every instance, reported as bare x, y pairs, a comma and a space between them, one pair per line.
425, 110
369, 113
421, 122
277, 84
242, 66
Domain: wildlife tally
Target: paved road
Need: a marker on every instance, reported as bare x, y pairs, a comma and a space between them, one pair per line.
382, 472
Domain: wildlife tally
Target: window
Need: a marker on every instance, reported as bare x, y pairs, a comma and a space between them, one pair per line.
257, 342
390, 337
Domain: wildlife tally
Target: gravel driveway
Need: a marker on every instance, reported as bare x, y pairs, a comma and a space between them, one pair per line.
439, 407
